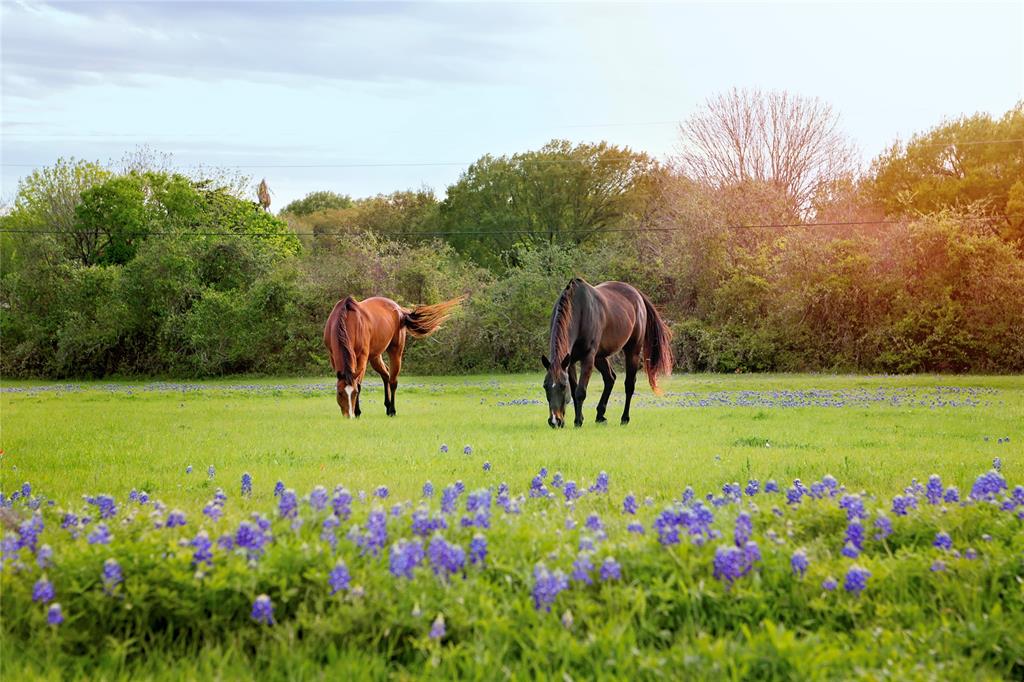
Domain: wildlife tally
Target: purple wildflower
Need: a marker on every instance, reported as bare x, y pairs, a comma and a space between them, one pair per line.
100, 536
188, 469
478, 549
829, 584
487, 466
468, 450
610, 569
202, 555
753, 486
318, 498
44, 557
339, 577
854, 507
43, 591
405, 555
600, 485
445, 558
444, 447
771, 486
570, 491
901, 504
744, 529
629, 505
546, 586
938, 565
112, 575
279, 489
263, 610
943, 541
581, 569
176, 519
288, 505
856, 580
933, 491
952, 495
729, 563
799, 562
884, 526
341, 502
54, 616
428, 489
246, 484
635, 527
381, 492
437, 629
988, 485
210, 472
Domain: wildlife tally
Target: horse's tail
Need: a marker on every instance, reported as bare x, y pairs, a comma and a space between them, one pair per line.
424, 320
657, 346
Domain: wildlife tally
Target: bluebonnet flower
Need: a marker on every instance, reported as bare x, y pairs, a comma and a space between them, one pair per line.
278, 489
902, 504
856, 580
629, 505
601, 484
771, 486
428, 489
112, 575
687, 495
288, 505
437, 629
938, 565
581, 568
318, 498
744, 529
246, 484
970, 553
176, 519
69, 520
213, 510
54, 615
423, 524
952, 495
263, 610
210, 471
543, 473
610, 569
884, 526
133, 496
570, 491
188, 469
467, 450
478, 549
751, 554
43, 591
799, 562
570, 523
226, 542
449, 496
793, 495
444, 447
376, 533
830, 483
546, 586
143, 497
537, 488
44, 557
997, 463
933, 491
594, 523
729, 563
251, 538
988, 485
202, 555
105, 505
850, 551
829, 584
341, 502
339, 577
586, 544
943, 541
445, 558
381, 492
818, 490
100, 536
635, 527
405, 555
556, 480
854, 507
855, 534
29, 530
327, 529
753, 486
1018, 494
487, 466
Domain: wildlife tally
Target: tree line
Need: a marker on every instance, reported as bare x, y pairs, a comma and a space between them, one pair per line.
760, 240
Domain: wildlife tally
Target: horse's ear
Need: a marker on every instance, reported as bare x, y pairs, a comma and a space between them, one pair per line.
544, 361
566, 361
350, 303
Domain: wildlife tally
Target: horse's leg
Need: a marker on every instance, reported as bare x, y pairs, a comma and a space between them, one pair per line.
385, 375
571, 371
632, 365
395, 351
586, 368
605, 368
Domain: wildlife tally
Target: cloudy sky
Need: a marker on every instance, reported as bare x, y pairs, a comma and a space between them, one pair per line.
362, 98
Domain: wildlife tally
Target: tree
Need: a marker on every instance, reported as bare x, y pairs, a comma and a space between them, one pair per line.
559, 194
975, 160
785, 140
317, 201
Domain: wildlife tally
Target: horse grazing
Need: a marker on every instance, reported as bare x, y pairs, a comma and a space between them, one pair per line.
590, 324
358, 332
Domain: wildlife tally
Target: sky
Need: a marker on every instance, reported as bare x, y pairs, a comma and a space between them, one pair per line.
367, 98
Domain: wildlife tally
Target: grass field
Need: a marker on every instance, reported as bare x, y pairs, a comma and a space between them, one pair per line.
874, 434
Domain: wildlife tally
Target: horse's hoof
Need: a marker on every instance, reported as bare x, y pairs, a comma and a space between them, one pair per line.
578, 424
601, 420
625, 420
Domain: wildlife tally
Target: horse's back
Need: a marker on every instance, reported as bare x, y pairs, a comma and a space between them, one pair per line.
385, 322
624, 315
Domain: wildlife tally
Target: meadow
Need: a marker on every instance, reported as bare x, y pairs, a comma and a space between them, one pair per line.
643, 577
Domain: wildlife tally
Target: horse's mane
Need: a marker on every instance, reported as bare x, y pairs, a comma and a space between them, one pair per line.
561, 317
342, 343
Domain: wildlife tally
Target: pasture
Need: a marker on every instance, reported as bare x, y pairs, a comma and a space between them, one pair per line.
674, 610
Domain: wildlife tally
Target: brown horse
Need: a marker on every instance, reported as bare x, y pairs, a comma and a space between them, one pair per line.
358, 332
588, 325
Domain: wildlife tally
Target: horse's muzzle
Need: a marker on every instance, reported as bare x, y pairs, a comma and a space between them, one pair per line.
556, 422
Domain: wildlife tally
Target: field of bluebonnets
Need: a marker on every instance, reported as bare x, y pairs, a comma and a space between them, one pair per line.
770, 527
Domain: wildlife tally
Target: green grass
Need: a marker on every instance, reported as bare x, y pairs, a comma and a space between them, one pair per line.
668, 618
74, 443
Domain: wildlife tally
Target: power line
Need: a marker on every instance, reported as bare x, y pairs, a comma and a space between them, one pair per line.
450, 233
416, 164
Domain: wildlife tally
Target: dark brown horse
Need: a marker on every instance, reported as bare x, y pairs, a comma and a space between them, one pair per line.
590, 324
358, 332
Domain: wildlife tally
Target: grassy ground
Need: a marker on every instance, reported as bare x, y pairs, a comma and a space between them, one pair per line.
668, 617
115, 436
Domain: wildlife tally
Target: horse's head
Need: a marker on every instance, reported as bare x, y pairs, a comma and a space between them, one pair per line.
556, 386
348, 395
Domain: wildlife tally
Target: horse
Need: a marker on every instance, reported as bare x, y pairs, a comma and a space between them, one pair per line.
358, 332
590, 324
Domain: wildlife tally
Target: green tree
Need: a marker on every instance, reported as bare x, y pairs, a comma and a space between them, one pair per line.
975, 160
559, 194
317, 201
